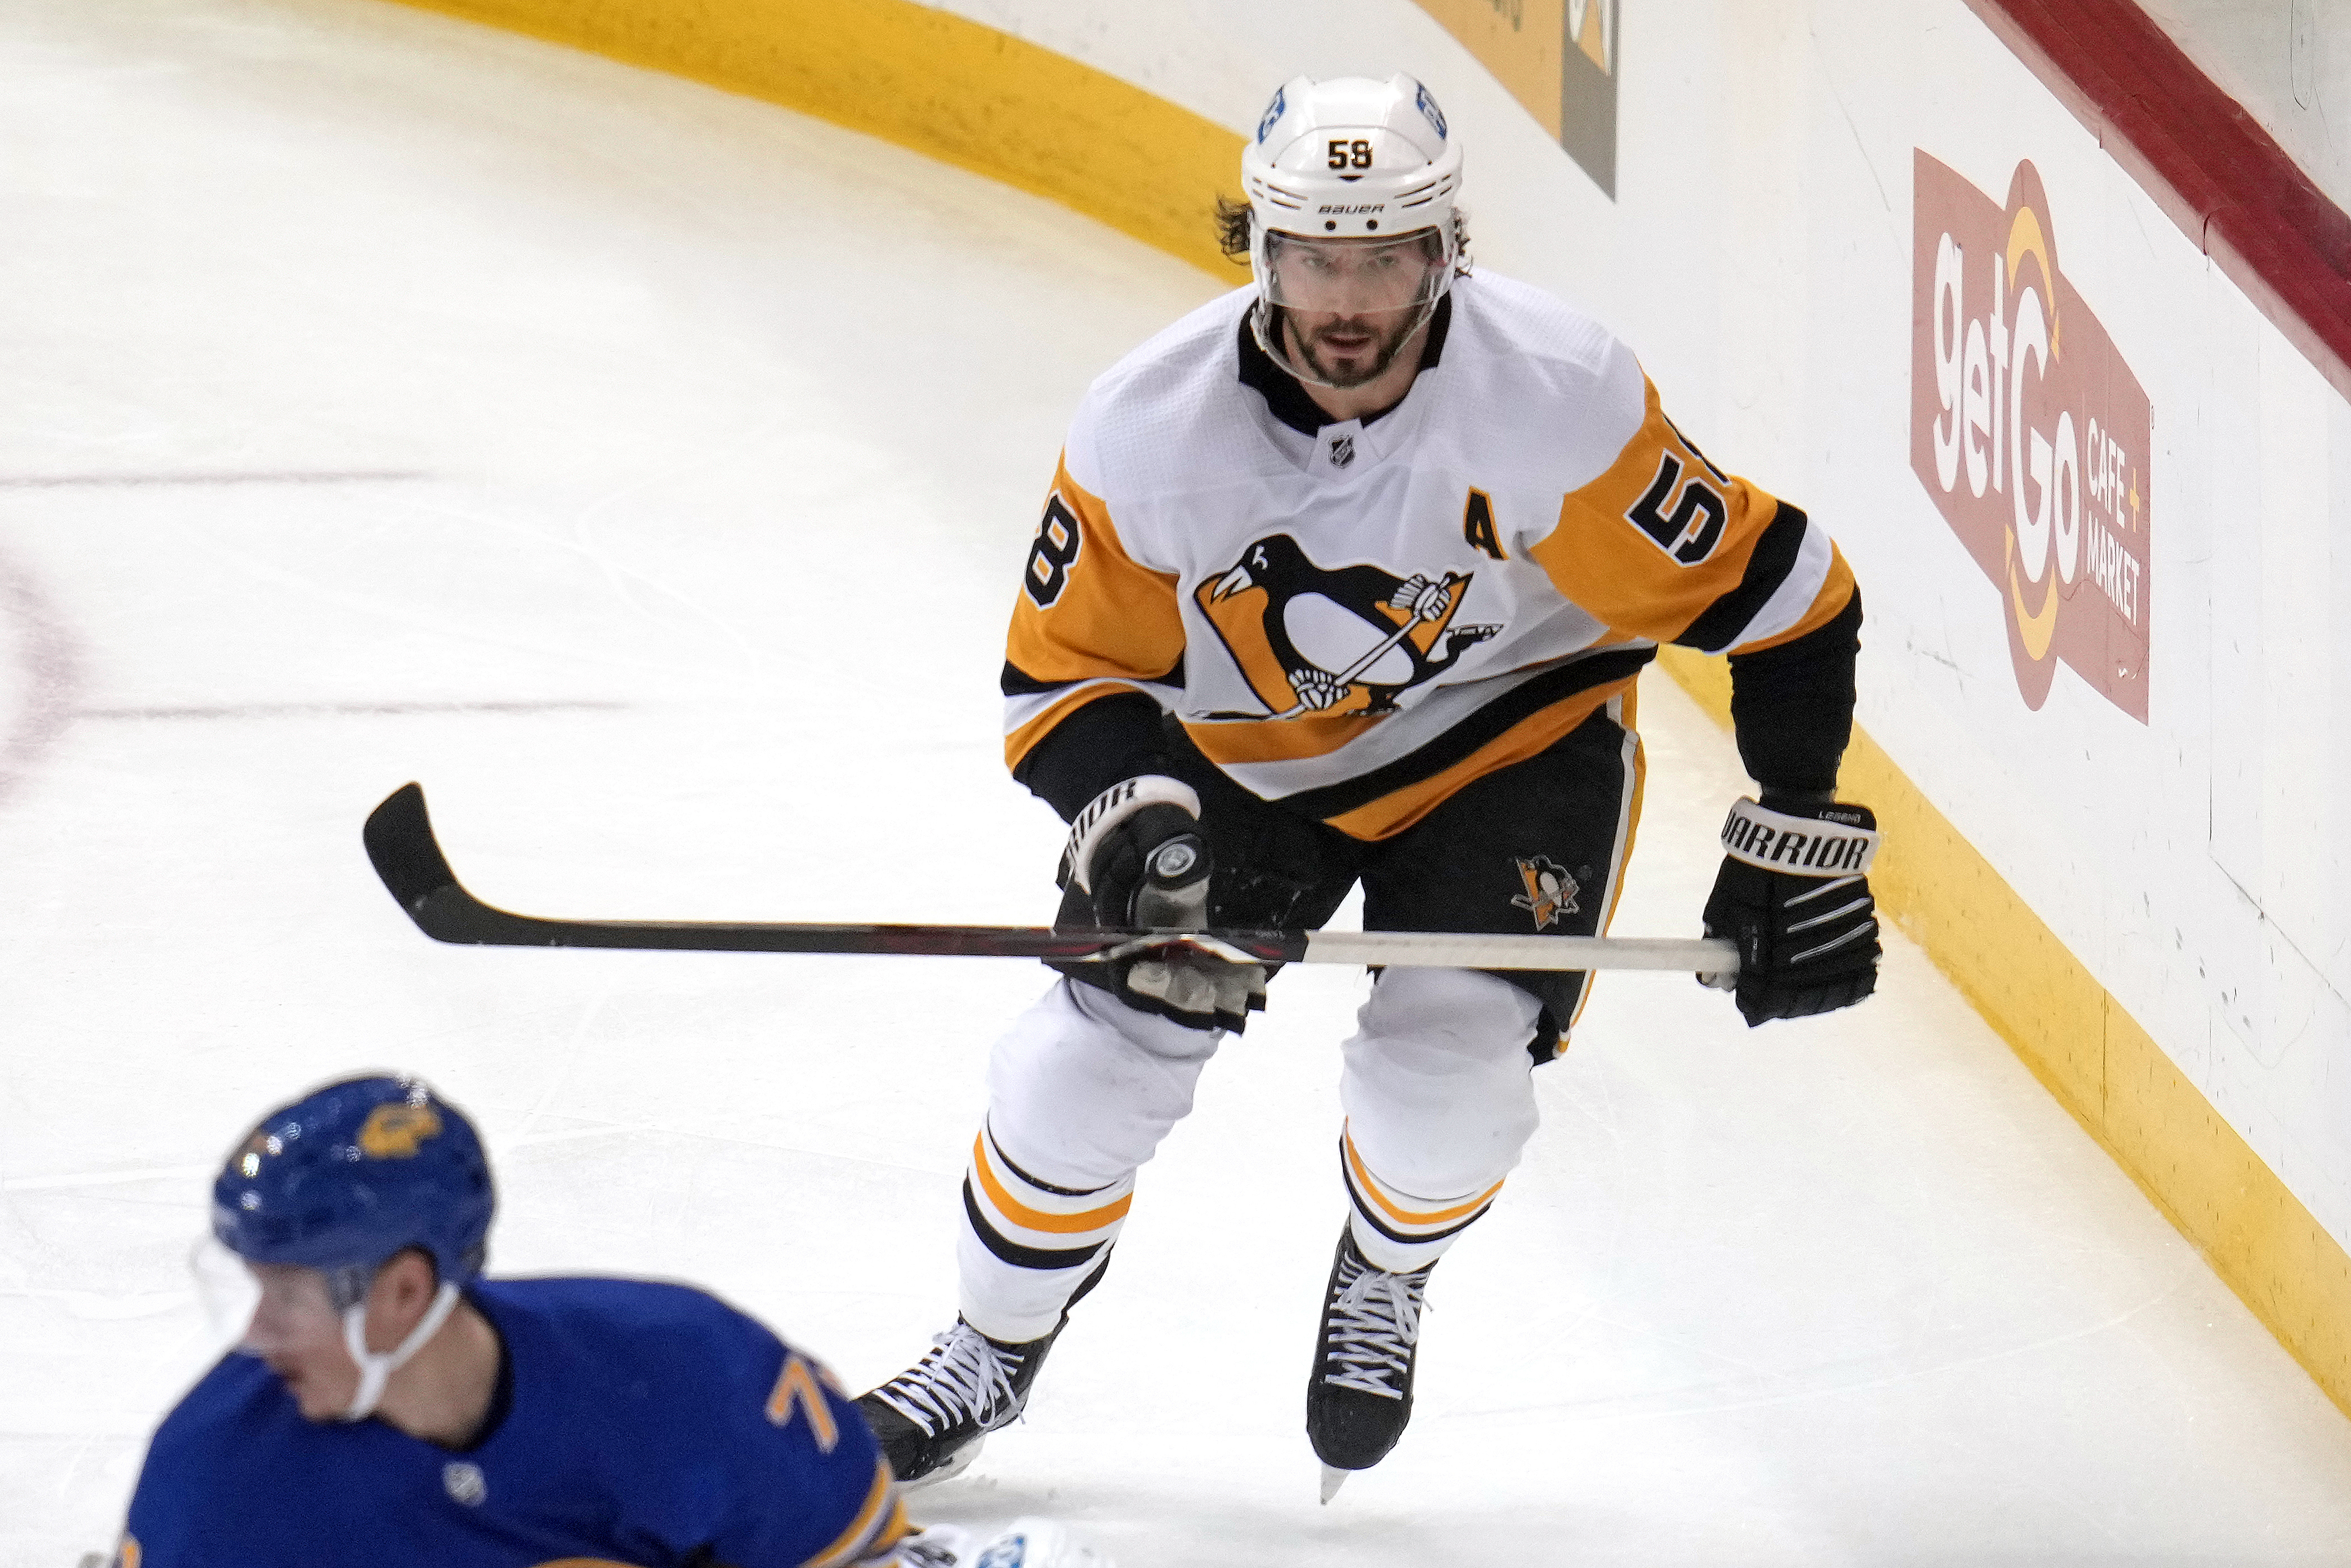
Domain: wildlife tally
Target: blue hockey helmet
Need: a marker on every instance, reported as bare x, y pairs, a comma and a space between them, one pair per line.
352, 1172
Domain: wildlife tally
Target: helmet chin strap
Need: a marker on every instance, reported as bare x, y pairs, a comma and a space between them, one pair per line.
1265, 326
375, 1369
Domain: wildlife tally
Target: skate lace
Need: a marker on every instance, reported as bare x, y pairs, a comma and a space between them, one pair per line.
1375, 1323
961, 1377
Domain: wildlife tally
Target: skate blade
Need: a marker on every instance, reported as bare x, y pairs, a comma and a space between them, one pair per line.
954, 1467
1333, 1479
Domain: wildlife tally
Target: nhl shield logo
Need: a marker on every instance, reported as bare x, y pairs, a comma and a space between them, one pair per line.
1551, 892
464, 1481
1343, 451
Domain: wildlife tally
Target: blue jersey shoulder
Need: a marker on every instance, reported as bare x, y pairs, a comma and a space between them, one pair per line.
718, 1433
227, 1471
630, 1352
238, 1401
674, 1327
647, 1423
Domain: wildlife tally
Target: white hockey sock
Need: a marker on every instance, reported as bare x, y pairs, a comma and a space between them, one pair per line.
1400, 1231
1026, 1246
1439, 1105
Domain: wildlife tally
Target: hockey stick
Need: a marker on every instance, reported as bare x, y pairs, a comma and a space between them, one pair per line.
1346, 677
400, 841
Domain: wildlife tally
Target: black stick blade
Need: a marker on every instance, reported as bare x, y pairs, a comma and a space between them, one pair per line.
400, 843
408, 858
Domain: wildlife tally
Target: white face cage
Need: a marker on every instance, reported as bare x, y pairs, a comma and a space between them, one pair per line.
1357, 161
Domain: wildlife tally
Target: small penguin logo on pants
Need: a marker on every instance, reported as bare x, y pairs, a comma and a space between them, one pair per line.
1551, 892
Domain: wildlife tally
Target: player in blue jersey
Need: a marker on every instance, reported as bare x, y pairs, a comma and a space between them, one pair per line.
389, 1405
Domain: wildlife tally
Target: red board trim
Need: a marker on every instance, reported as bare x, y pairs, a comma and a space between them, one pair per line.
2220, 176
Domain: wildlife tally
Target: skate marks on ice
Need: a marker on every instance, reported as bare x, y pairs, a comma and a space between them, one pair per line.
101, 480
1155, 1517
40, 674
1853, 1292
354, 709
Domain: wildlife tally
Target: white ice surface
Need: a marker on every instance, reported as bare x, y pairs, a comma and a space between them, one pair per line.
647, 471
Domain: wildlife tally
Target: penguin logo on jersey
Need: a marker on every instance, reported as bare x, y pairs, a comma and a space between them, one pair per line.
1340, 643
1551, 892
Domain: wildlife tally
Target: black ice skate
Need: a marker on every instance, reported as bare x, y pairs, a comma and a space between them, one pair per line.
1360, 1395
930, 1418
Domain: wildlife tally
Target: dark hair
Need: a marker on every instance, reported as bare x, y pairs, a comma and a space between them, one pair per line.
1233, 228
1235, 223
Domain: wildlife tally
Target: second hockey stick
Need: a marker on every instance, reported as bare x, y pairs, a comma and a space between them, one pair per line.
400, 843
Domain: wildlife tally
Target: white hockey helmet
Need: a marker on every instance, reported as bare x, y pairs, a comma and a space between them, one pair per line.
1349, 160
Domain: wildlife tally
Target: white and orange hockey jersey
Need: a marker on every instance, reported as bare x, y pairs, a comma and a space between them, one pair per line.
1357, 623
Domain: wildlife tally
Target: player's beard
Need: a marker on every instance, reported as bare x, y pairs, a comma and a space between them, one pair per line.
1369, 361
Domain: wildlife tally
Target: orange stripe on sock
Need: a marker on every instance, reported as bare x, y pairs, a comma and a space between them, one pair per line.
1404, 1216
1022, 1214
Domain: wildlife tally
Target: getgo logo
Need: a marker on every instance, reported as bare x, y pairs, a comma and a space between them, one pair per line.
2030, 434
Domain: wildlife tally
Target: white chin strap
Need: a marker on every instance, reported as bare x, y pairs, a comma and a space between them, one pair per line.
375, 1371
1265, 326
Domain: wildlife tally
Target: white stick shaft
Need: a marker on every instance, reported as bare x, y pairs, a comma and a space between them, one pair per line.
1458, 950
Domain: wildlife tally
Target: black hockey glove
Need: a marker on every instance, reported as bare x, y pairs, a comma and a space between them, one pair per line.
1136, 858
1794, 893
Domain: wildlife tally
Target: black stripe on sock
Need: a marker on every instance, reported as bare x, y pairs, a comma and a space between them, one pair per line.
1032, 1181
1365, 1208
1044, 1260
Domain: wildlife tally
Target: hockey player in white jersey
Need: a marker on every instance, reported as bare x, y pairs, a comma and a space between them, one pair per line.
1347, 577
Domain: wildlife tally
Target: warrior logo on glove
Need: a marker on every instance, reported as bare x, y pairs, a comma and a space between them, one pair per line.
1340, 643
1794, 893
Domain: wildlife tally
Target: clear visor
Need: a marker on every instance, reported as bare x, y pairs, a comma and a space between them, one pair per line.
259, 1308
1355, 278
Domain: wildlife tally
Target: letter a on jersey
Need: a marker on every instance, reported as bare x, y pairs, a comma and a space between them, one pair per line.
1342, 642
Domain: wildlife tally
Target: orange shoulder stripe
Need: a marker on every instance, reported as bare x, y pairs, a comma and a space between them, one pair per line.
1660, 536
1085, 609
1086, 612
